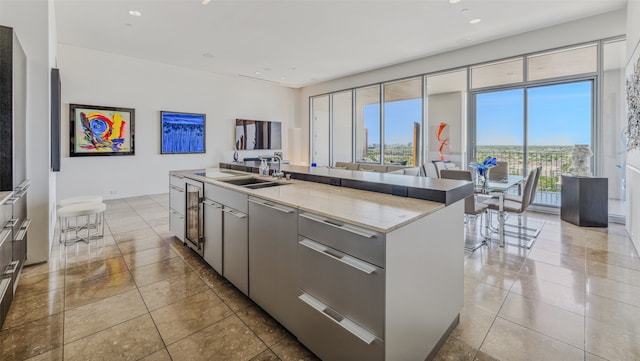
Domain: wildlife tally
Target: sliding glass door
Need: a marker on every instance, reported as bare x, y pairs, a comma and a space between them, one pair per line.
536, 126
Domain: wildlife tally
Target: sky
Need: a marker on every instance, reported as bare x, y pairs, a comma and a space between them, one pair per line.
558, 115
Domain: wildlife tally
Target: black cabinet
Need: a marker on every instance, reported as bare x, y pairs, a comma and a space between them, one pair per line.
585, 201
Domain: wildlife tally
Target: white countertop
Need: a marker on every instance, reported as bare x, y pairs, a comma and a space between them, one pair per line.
380, 212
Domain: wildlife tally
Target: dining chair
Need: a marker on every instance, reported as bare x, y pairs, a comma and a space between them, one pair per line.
500, 172
472, 208
518, 207
429, 170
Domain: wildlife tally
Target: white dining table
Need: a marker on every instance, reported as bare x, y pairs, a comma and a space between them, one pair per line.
498, 190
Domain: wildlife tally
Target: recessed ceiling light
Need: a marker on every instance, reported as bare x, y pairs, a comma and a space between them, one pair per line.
283, 78
257, 73
475, 21
207, 55
454, 1
205, 2
135, 13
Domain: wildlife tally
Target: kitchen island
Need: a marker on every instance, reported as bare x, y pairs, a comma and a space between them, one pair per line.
354, 274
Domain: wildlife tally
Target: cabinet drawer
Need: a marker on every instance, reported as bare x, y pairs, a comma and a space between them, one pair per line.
352, 287
176, 180
356, 241
331, 336
227, 197
176, 224
177, 198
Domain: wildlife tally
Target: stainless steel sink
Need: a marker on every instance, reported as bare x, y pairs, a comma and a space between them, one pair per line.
252, 183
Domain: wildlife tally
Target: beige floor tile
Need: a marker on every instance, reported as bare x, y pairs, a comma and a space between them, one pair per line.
290, 349
611, 343
567, 298
92, 270
509, 341
144, 233
93, 254
53, 355
263, 325
474, 325
192, 314
497, 258
31, 339
614, 313
490, 274
622, 260
266, 355
549, 320
592, 357
615, 273
96, 289
622, 292
226, 340
97, 316
30, 307
140, 244
483, 296
162, 355
235, 299
131, 223
166, 292
454, 349
43, 268
558, 259
130, 340
560, 275
149, 256
42, 283
558, 246
159, 271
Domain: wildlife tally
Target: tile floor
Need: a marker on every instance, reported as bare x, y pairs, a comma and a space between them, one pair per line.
574, 296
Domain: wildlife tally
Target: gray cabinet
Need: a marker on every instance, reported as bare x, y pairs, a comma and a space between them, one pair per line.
177, 205
213, 234
341, 280
235, 234
273, 239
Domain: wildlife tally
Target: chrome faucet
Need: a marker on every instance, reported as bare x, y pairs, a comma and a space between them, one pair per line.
279, 173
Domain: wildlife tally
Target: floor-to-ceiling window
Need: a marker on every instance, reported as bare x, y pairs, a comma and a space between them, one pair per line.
535, 109
402, 121
320, 130
367, 122
342, 129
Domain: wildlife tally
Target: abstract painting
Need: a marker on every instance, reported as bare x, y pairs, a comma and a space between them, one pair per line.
182, 133
632, 130
98, 130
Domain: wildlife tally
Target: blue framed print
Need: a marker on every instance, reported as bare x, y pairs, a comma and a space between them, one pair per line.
182, 133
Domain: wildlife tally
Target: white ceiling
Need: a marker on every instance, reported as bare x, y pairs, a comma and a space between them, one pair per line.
301, 42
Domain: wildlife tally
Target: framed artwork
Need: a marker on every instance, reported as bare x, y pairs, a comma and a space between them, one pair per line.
98, 130
632, 71
182, 133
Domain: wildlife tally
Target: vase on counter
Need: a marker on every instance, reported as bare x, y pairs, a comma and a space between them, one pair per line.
235, 155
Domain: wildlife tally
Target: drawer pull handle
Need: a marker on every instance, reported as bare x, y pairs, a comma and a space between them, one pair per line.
235, 213
6, 231
23, 230
11, 268
272, 206
338, 256
343, 227
4, 286
177, 188
343, 322
212, 204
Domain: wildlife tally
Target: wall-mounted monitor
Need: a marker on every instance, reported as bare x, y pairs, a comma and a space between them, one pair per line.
258, 134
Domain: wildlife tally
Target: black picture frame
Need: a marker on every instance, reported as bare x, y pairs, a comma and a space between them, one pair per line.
182, 133
97, 130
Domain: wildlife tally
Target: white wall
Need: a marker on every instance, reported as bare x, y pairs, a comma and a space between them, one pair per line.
583, 30
98, 78
31, 20
633, 158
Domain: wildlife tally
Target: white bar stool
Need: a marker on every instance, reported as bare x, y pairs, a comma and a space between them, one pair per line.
80, 199
80, 210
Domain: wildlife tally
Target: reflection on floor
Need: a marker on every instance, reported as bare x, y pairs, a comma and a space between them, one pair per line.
139, 294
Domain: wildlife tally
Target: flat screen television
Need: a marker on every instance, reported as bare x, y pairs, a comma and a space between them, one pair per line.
258, 134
